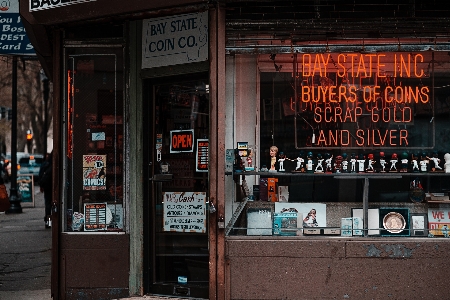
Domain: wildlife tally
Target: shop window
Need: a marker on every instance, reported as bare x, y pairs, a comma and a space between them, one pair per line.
94, 134
357, 136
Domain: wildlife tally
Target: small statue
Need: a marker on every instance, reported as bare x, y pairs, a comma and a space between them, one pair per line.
435, 159
447, 162
361, 161
382, 162
238, 165
370, 161
281, 162
273, 158
300, 160
328, 160
393, 161
338, 164
353, 163
309, 163
344, 163
319, 166
415, 164
264, 168
424, 163
250, 166
404, 162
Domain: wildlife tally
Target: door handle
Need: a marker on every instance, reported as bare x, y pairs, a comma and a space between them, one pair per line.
162, 177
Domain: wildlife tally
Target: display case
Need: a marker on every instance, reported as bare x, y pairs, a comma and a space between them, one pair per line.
348, 145
94, 135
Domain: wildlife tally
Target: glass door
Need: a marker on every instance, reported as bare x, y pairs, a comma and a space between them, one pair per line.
177, 142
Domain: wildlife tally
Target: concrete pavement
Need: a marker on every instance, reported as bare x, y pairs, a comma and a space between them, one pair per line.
25, 253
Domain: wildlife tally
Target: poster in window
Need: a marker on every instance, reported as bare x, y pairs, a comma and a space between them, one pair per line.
184, 212
439, 221
96, 216
94, 173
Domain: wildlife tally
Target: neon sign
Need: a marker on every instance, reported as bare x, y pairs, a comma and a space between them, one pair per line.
361, 100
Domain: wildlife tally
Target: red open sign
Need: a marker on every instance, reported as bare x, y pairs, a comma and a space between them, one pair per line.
182, 141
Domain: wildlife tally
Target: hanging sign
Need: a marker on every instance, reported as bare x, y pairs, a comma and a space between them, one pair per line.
185, 211
175, 40
181, 141
202, 155
13, 38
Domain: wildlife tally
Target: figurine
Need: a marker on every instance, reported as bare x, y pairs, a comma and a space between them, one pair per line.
249, 166
382, 162
447, 162
300, 161
309, 163
361, 160
238, 164
370, 162
435, 161
338, 164
319, 166
424, 163
353, 163
344, 163
264, 168
273, 158
415, 165
404, 162
328, 168
281, 162
393, 161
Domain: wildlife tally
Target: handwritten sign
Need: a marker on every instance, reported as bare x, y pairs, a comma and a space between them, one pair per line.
175, 40
25, 187
185, 211
181, 141
202, 155
439, 221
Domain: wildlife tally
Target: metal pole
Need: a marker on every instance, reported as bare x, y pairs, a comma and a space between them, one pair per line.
14, 199
46, 91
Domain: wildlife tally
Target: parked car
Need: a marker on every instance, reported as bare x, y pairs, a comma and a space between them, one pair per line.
7, 164
30, 165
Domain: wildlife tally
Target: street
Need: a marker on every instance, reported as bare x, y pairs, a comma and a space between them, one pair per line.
25, 252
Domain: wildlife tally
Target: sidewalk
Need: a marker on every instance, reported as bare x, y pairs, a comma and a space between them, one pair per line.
25, 252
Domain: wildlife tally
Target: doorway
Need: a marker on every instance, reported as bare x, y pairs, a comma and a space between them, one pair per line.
176, 146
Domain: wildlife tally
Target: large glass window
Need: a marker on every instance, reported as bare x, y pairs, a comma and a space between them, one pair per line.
94, 145
356, 135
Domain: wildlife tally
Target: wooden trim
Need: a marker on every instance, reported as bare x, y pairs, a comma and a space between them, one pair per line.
217, 152
57, 158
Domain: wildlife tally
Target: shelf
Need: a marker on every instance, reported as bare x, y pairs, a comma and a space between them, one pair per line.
343, 175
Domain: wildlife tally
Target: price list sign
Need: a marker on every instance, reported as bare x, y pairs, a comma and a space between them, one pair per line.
95, 216
185, 212
202, 155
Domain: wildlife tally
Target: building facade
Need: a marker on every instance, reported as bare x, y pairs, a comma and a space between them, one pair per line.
247, 150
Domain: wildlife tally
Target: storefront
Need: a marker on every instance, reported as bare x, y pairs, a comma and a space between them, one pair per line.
241, 150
